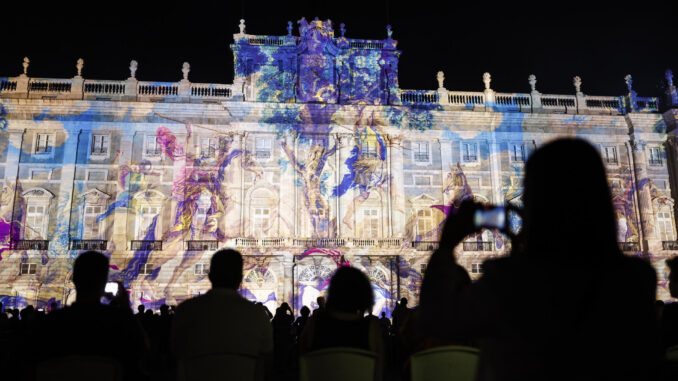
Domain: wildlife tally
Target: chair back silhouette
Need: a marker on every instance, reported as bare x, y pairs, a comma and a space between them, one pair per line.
338, 364
453, 363
672, 353
221, 366
80, 368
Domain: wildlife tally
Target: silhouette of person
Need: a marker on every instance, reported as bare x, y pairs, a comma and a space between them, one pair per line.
321, 305
301, 321
669, 316
221, 321
88, 327
566, 304
400, 314
343, 324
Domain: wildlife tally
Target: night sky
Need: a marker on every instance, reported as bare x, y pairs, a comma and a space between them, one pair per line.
555, 40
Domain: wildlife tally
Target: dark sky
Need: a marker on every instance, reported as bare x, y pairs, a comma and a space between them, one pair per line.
555, 40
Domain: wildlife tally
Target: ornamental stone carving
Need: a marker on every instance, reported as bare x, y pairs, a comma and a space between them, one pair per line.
532, 80
79, 65
242, 26
441, 79
133, 65
576, 81
25, 65
487, 78
629, 82
185, 69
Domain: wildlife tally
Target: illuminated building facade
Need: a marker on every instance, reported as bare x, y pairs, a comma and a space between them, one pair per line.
312, 158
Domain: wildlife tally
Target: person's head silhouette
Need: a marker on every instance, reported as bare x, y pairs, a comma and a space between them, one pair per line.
568, 208
90, 273
226, 269
350, 291
305, 311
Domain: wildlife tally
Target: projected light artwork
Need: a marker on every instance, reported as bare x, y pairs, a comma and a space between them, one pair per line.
312, 159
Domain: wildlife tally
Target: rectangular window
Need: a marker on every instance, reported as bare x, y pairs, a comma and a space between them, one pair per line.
151, 147
208, 147
28, 268
148, 213
92, 227
96, 175
369, 149
40, 174
422, 180
100, 144
44, 143
423, 268
665, 225
655, 156
201, 269
424, 221
610, 155
468, 152
476, 268
517, 153
262, 148
146, 269
371, 223
35, 222
420, 152
261, 221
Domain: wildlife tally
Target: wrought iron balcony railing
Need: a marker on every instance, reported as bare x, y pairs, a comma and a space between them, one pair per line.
89, 244
478, 246
670, 245
146, 245
202, 245
425, 245
30, 244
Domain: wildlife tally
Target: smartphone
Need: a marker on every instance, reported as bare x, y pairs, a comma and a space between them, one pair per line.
493, 218
111, 287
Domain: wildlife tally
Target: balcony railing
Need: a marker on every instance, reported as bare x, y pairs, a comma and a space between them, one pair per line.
89, 244
320, 242
146, 245
629, 246
477, 246
202, 245
655, 162
670, 245
425, 245
30, 244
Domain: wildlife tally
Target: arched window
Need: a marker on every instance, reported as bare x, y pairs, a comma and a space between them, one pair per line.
313, 272
259, 276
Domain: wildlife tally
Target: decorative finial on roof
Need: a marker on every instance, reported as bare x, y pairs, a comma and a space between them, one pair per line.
668, 74
577, 83
25, 65
185, 69
242, 26
342, 29
441, 79
133, 65
316, 18
289, 28
532, 80
79, 65
487, 78
629, 82
389, 32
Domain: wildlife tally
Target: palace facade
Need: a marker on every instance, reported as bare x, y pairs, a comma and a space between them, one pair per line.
312, 158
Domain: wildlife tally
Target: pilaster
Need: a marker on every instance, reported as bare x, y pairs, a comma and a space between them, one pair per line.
396, 189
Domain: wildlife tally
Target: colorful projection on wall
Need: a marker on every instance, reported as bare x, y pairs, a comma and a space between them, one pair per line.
319, 153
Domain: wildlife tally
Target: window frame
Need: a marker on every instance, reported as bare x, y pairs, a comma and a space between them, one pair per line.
32, 172
31, 268
417, 157
466, 159
157, 153
49, 148
512, 153
268, 151
652, 160
606, 159
92, 143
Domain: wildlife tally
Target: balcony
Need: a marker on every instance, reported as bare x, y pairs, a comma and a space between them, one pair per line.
629, 246
202, 245
89, 244
30, 244
670, 245
320, 242
655, 162
425, 245
146, 245
477, 246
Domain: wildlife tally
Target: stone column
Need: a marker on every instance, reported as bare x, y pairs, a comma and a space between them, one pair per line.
178, 177
495, 173
647, 218
287, 207
9, 188
396, 186
120, 237
241, 144
288, 281
445, 162
62, 233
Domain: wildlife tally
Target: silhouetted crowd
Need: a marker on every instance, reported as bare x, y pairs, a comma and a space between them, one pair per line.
565, 304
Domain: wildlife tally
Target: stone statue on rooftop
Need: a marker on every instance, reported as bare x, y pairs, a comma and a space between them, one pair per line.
302, 25
342, 29
79, 65
629, 82
668, 74
289, 28
441, 80
487, 78
532, 80
185, 69
133, 65
389, 32
577, 83
25, 65
242, 26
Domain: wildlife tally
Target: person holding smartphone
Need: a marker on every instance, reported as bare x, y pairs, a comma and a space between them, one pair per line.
566, 303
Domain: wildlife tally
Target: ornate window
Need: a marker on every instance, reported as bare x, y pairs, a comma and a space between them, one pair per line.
313, 272
377, 276
37, 213
371, 223
262, 208
149, 208
261, 221
665, 228
95, 205
424, 220
260, 276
